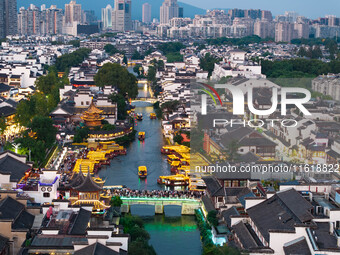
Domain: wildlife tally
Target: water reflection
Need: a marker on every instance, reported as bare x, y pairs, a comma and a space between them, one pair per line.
170, 233
123, 169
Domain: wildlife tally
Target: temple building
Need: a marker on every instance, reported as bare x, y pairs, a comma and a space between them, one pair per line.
84, 191
92, 116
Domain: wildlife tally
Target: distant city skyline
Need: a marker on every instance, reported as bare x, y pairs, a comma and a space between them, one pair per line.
308, 8
315, 7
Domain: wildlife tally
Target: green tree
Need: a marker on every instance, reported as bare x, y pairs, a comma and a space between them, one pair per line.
75, 43
121, 104
46, 83
81, 134
66, 61
178, 139
212, 218
212, 249
170, 106
136, 55
174, 57
171, 47
118, 76
151, 76
44, 129
116, 201
231, 151
140, 247
138, 69
111, 49
207, 63
3, 125
36, 105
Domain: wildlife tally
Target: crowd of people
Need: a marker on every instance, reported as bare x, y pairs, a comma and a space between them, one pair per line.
125, 192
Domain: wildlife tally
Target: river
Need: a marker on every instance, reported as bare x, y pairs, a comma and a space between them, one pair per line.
170, 233
123, 169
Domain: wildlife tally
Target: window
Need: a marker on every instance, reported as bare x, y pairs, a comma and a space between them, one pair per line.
120, 7
87, 102
46, 194
227, 183
127, 8
82, 103
337, 224
235, 184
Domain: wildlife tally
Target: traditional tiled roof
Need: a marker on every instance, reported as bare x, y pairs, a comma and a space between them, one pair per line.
281, 212
88, 185
81, 222
98, 249
297, 247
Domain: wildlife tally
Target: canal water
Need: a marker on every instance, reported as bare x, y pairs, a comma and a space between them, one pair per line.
123, 169
170, 233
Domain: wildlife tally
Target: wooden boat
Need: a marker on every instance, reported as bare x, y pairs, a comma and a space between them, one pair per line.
139, 116
142, 172
174, 180
141, 136
153, 116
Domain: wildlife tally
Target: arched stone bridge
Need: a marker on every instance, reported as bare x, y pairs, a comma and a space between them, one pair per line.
188, 205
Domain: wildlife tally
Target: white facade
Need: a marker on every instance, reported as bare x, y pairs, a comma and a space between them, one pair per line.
168, 10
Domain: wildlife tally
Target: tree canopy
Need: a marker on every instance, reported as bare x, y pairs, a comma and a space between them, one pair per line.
207, 63
238, 41
171, 47
36, 105
110, 49
44, 130
121, 104
66, 61
118, 76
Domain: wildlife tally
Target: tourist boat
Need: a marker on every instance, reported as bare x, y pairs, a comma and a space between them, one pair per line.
153, 116
172, 158
142, 172
174, 180
174, 167
141, 136
139, 116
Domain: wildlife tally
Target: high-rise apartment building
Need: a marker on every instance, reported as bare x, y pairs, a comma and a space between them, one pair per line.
253, 14
146, 13
90, 17
107, 17
73, 13
168, 10
285, 32
264, 29
121, 16
302, 30
29, 20
35, 21
52, 20
266, 15
8, 18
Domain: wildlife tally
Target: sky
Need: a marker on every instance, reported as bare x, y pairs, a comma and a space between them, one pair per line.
308, 8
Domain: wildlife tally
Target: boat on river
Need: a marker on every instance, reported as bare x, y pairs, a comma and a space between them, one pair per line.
139, 116
141, 136
142, 172
153, 116
174, 180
